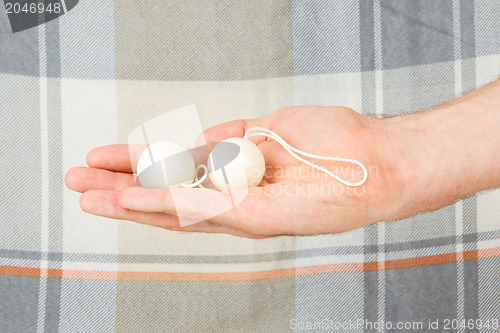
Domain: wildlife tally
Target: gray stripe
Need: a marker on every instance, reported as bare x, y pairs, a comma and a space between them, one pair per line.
484, 236
18, 306
58, 256
52, 49
191, 259
56, 175
19, 51
330, 250
420, 244
367, 41
20, 184
416, 32
471, 299
469, 205
370, 308
367, 49
55, 256
467, 29
91, 257
53, 305
421, 293
16, 254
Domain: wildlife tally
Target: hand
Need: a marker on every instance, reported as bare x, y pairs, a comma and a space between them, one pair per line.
293, 198
415, 163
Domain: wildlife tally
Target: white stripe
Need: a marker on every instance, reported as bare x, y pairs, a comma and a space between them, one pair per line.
44, 167
457, 50
379, 96
63, 2
488, 244
15, 262
44, 219
457, 67
381, 273
379, 101
459, 218
379, 109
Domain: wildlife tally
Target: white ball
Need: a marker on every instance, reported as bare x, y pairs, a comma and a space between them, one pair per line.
241, 161
165, 164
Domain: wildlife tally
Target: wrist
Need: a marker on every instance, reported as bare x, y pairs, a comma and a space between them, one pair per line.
446, 154
438, 172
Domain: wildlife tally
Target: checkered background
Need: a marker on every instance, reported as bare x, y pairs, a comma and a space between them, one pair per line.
90, 77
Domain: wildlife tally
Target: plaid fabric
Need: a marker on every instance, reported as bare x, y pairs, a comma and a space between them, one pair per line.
91, 76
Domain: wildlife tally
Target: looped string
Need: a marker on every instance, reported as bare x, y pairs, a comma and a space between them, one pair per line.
197, 181
260, 131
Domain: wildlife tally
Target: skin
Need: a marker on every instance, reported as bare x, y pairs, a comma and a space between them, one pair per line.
416, 163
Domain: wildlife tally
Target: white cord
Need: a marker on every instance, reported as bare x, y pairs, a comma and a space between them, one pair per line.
197, 181
260, 131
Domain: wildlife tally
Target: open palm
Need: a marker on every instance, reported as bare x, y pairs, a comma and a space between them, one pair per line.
293, 197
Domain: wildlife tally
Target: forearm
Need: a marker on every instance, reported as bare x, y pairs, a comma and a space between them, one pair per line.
449, 152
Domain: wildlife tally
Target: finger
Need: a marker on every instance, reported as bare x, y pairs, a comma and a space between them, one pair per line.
235, 128
81, 179
184, 202
251, 214
117, 157
105, 203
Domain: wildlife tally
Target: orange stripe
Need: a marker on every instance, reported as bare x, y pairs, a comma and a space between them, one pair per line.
253, 275
20, 271
332, 268
487, 253
421, 261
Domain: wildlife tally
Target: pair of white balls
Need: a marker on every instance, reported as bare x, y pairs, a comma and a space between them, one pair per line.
242, 167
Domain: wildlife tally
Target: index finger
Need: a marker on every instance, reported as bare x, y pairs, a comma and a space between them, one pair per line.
117, 157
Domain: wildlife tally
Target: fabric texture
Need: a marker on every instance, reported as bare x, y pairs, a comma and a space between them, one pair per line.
91, 76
